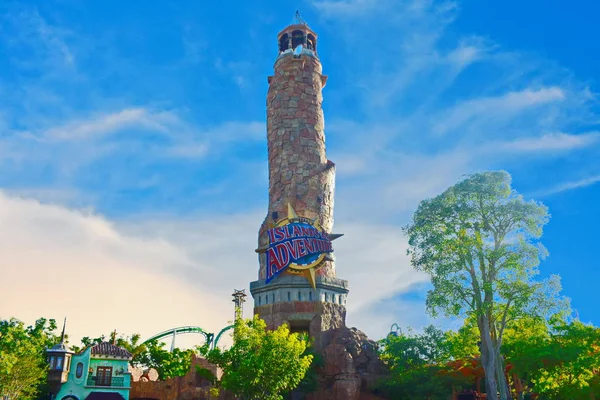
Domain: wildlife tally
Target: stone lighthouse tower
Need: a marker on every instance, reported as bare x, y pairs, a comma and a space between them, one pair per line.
297, 281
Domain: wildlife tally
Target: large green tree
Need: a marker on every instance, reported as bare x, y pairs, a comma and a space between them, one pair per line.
478, 241
23, 366
261, 364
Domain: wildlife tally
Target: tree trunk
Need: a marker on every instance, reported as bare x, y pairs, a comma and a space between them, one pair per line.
502, 382
488, 358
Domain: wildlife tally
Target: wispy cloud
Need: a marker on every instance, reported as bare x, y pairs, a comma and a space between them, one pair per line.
548, 143
239, 71
105, 124
577, 184
506, 105
54, 38
190, 150
38, 44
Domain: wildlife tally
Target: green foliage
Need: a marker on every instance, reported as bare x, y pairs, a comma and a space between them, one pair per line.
167, 364
310, 381
558, 363
463, 343
478, 243
86, 342
23, 366
261, 364
135, 346
417, 364
150, 355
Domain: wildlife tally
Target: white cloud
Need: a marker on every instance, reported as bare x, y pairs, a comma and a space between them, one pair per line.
372, 257
506, 106
53, 38
188, 150
550, 142
55, 262
108, 123
467, 52
47, 44
52, 195
577, 184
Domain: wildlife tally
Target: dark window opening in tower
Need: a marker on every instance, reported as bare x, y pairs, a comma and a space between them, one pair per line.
302, 327
297, 39
284, 42
311, 42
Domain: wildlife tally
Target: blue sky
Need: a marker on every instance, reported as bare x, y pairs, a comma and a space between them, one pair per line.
133, 145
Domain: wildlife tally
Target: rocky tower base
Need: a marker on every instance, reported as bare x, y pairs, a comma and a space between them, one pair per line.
351, 366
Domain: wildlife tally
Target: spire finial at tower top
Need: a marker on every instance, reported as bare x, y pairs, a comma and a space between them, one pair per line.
62, 336
299, 19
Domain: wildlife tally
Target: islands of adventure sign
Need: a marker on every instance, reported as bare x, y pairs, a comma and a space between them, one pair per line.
298, 245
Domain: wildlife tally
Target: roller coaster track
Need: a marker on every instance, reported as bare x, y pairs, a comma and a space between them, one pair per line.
210, 338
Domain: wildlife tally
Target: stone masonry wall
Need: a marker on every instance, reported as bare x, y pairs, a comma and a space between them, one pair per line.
299, 172
191, 386
321, 317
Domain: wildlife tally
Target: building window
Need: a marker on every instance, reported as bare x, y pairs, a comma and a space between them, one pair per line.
297, 39
103, 376
299, 296
273, 298
333, 298
289, 296
267, 299
311, 42
309, 296
326, 297
52, 362
79, 370
284, 44
59, 363
259, 300
340, 299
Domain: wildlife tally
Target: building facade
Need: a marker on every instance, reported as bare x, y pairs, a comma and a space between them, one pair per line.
99, 372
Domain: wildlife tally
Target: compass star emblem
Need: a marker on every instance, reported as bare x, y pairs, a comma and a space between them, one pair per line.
298, 245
